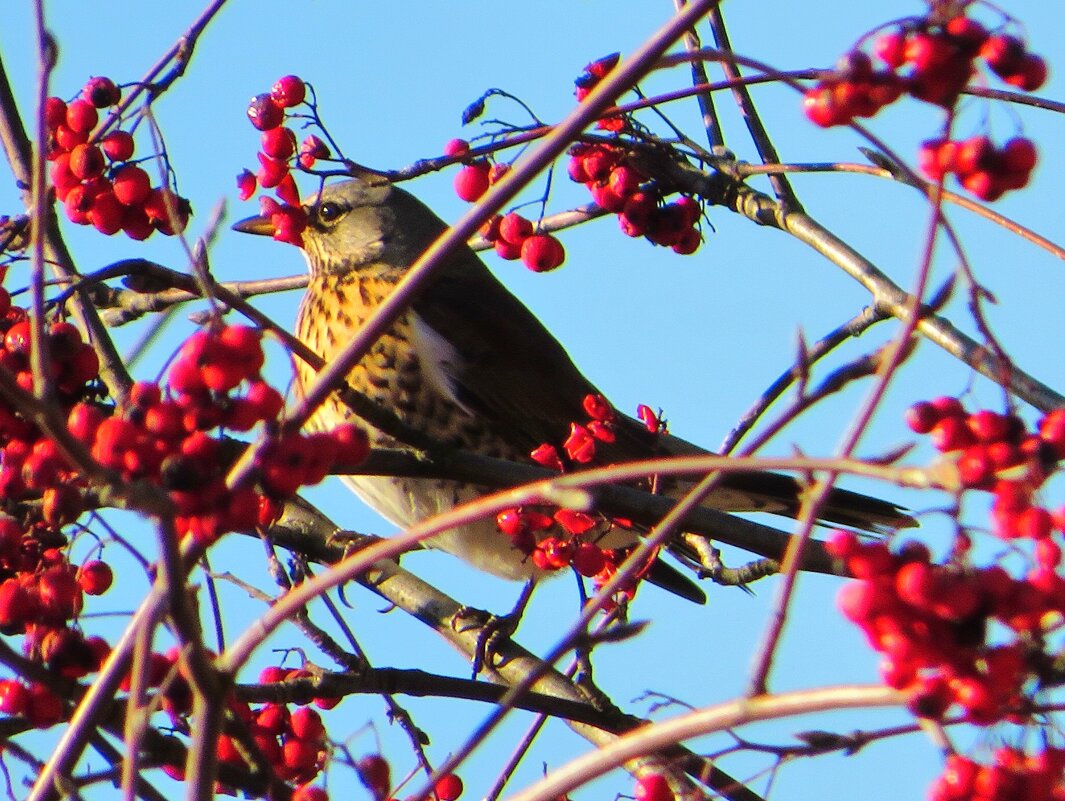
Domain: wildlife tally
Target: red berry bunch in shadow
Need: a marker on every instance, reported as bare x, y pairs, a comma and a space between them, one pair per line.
557, 538
620, 187
854, 89
1010, 775
278, 155
589, 79
292, 740
982, 168
515, 237
95, 177
931, 621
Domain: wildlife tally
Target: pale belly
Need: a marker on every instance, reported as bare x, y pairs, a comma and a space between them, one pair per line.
405, 501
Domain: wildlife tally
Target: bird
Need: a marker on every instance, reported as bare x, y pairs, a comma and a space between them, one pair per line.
471, 367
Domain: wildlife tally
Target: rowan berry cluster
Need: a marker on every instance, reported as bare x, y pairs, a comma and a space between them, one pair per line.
279, 155
292, 741
931, 621
95, 176
476, 174
996, 453
925, 59
165, 439
41, 592
982, 168
558, 538
162, 434
933, 61
1011, 775
515, 237
960, 635
619, 186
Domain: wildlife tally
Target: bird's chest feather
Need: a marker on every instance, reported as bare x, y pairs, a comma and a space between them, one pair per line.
410, 370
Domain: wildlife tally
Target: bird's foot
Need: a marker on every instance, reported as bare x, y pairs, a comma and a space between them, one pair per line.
495, 630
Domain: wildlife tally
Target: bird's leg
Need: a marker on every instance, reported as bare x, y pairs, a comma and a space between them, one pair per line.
582, 652
495, 628
709, 564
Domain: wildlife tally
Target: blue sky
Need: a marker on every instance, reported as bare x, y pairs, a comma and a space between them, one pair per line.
700, 336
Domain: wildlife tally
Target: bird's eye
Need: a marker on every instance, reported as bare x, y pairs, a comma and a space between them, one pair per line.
330, 212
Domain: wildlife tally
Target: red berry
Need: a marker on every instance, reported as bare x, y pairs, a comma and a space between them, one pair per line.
1003, 53
352, 444
264, 113
86, 161
101, 92
14, 697
118, 145
279, 143
985, 184
507, 250
311, 149
135, 223
497, 171
1031, 74
1019, 155
288, 91
67, 138
131, 185
43, 708
921, 417
106, 213
309, 792
988, 426
306, 724
95, 577
299, 754
975, 153
168, 211
542, 253
55, 112
688, 242
456, 147
246, 184
471, 182
375, 774
448, 787
514, 228
624, 181
588, 559
271, 171
82, 116
967, 32
653, 787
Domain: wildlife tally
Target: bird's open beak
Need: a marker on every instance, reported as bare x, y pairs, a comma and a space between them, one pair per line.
260, 225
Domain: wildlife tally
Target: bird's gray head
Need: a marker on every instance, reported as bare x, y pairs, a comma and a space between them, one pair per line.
360, 224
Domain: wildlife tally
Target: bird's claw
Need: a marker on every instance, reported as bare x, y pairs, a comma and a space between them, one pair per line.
494, 632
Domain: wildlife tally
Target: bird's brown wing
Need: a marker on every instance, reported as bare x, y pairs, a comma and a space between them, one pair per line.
500, 363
